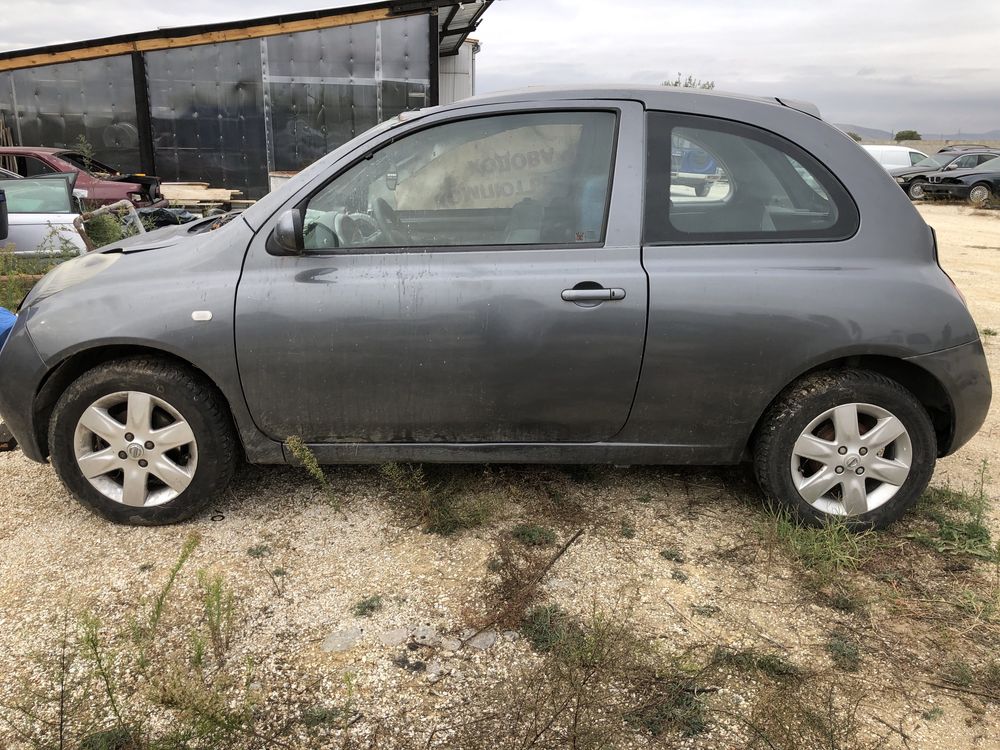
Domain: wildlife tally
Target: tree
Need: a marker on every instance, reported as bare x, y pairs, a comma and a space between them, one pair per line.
907, 135
854, 135
690, 82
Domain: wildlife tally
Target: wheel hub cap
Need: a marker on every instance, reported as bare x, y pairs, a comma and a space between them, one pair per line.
851, 459
135, 449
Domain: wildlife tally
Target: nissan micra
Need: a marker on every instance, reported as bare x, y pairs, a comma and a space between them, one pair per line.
523, 277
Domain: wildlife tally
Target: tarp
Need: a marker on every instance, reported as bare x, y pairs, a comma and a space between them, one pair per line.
7, 319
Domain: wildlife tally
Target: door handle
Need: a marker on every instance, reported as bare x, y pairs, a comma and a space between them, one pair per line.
592, 295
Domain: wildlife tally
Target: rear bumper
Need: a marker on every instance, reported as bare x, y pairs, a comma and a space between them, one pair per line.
963, 372
21, 374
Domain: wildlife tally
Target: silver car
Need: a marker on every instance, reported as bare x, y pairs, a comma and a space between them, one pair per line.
517, 278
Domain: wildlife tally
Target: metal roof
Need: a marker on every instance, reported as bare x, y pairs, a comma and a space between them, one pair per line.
456, 20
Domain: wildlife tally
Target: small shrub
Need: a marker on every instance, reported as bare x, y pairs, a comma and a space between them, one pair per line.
845, 653
368, 606
932, 714
673, 554
442, 508
627, 528
958, 672
679, 575
747, 660
532, 535
104, 229
988, 332
307, 458
545, 626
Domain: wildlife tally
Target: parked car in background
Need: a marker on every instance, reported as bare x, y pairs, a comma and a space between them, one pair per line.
511, 278
100, 183
914, 179
892, 157
40, 215
979, 185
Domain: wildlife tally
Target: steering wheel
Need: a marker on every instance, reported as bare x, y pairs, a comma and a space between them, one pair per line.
355, 229
323, 238
389, 224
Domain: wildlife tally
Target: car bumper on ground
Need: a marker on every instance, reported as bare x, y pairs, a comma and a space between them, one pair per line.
21, 374
963, 372
939, 190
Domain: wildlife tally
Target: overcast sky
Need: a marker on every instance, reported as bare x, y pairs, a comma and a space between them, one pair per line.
888, 65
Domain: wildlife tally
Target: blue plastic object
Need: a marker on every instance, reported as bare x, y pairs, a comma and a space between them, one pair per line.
7, 319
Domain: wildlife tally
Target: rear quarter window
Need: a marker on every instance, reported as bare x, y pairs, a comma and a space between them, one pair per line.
754, 186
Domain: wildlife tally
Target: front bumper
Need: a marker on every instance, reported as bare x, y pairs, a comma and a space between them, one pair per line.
21, 375
946, 190
963, 372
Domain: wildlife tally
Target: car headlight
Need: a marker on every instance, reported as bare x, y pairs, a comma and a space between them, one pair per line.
68, 274
900, 180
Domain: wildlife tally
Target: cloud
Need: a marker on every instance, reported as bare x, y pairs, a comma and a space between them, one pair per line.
885, 65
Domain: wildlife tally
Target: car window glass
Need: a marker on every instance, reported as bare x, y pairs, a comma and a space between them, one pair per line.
983, 158
29, 166
965, 162
753, 184
916, 157
532, 178
993, 165
37, 196
88, 164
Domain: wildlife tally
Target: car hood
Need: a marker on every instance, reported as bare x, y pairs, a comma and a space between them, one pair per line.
910, 171
170, 235
971, 172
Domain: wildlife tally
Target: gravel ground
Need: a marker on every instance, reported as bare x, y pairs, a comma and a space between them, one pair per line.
401, 667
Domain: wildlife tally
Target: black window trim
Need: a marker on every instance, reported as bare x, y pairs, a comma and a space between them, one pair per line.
370, 151
848, 215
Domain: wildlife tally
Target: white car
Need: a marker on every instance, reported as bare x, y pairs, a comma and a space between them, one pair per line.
40, 215
892, 157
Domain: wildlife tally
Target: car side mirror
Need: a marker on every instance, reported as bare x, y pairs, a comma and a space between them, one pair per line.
3, 215
952, 166
287, 237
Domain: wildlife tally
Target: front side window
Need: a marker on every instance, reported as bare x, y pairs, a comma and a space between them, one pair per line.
38, 196
519, 179
916, 157
710, 180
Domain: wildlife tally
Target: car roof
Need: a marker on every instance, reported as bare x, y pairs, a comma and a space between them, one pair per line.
33, 150
647, 94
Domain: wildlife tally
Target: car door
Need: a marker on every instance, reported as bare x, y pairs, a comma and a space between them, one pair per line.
40, 216
475, 278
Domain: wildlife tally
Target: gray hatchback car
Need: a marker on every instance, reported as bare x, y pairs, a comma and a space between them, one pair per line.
520, 278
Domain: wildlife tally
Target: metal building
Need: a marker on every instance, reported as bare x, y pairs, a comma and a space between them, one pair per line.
228, 103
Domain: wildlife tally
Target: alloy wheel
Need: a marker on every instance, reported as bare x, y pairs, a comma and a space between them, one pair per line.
135, 449
851, 459
979, 195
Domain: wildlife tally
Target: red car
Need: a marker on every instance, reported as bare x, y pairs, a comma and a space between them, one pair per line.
101, 183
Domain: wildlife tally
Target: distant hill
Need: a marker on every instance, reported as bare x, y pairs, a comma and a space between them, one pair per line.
873, 134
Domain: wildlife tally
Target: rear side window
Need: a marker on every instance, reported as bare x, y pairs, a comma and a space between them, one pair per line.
29, 166
710, 180
916, 157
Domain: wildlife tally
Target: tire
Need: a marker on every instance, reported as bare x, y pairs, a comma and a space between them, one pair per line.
129, 405
980, 195
703, 190
916, 190
804, 412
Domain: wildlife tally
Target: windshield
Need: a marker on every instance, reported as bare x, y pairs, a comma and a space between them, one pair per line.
938, 160
89, 165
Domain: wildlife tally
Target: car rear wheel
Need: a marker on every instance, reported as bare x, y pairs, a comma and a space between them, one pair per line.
916, 190
851, 444
142, 441
980, 195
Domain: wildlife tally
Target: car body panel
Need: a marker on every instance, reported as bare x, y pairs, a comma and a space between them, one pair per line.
729, 326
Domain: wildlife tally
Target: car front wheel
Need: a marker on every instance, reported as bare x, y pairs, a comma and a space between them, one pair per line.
916, 190
142, 441
849, 444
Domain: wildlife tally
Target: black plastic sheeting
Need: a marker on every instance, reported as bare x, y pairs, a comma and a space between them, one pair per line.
229, 113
